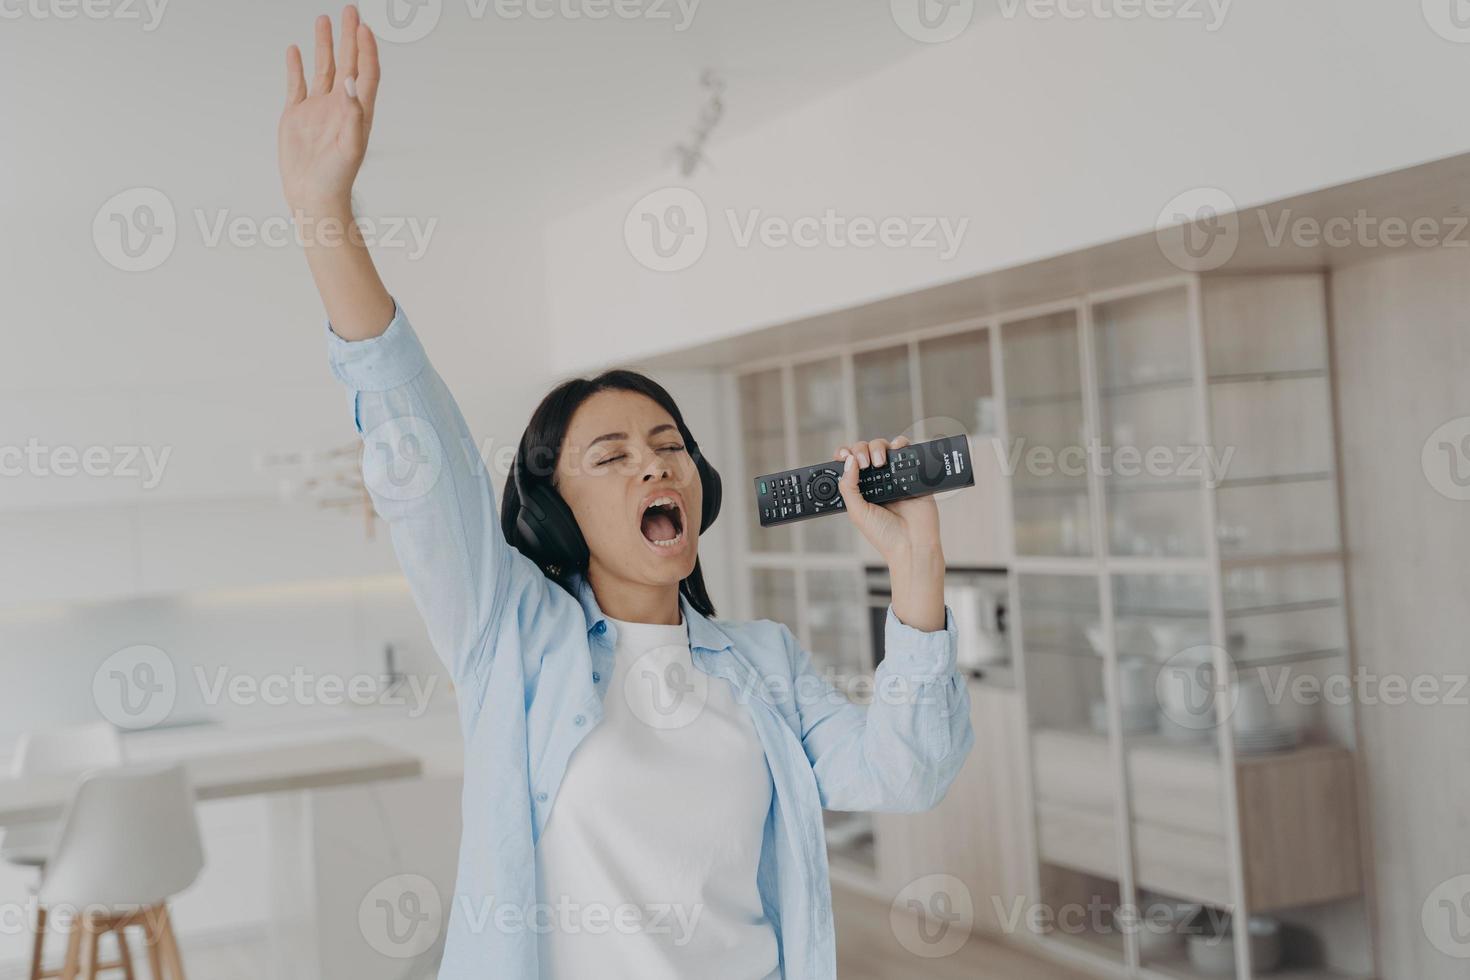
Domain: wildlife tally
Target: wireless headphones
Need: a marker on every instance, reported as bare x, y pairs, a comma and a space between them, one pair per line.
548, 533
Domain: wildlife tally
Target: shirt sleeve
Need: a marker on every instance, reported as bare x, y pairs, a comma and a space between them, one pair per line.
901, 751
428, 482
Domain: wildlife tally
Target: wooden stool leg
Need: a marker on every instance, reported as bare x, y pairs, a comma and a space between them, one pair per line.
171, 947
73, 949
124, 954
153, 941
90, 944
38, 948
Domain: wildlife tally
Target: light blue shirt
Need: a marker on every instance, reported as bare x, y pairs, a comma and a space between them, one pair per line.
531, 663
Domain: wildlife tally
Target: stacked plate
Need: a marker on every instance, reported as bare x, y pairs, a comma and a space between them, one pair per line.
1268, 739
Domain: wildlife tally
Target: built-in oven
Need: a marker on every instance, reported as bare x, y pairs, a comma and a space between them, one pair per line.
976, 596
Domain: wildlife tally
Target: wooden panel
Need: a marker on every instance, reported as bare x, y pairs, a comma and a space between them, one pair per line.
1177, 788
1400, 348
1076, 838
1074, 768
1299, 828
1181, 863
978, 832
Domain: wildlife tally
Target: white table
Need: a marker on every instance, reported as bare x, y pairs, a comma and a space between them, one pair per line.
223, 775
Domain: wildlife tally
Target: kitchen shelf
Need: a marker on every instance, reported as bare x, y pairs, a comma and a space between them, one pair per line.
1235, 361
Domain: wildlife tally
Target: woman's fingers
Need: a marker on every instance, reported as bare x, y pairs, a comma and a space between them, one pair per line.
324, 68
369, 71
295, 77
347, 56
878, 451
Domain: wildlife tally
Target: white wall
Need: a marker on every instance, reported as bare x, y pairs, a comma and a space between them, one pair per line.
1047, 135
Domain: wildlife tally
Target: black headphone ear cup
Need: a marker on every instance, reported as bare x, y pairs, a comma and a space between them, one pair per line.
710, 482
550, 530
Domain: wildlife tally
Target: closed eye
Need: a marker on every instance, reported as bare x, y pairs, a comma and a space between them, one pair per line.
679, 448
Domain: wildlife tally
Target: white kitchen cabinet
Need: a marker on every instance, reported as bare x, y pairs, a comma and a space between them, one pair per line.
973, 846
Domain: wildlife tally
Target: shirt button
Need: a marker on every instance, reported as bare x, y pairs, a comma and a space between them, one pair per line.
541, 797
600, 628
596, 677
579, 719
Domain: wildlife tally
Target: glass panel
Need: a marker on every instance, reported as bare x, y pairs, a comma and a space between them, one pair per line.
1048, 436
773, 595
1151, 433
763, 429
836, 616
1076, 796
1170, 702
885, 406
821, 426
955, 385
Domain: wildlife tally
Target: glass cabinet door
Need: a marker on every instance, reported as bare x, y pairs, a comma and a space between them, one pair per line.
763, 433
1148, 414
955, 385
773, 595
1047, 422
836, 622
821, 426
885, 400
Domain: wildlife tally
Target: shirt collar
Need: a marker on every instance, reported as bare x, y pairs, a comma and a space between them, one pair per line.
703, 633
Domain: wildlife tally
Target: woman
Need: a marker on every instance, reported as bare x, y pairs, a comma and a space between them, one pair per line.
686, 837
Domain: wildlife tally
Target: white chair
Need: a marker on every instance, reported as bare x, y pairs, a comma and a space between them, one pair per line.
129, 842
60, 751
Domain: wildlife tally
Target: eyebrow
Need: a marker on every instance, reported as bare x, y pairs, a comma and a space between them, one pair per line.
623, 435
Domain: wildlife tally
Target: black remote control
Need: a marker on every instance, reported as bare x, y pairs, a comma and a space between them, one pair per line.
911, 471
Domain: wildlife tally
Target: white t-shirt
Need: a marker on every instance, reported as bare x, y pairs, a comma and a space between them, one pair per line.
647, 864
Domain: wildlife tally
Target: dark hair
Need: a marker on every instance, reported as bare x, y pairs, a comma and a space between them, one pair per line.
540, 449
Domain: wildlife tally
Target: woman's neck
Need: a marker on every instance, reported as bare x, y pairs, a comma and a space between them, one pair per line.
635, 602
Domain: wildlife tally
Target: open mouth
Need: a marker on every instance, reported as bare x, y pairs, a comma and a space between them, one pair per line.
663, 522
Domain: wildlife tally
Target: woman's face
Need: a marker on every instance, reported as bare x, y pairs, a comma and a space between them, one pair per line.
623, 452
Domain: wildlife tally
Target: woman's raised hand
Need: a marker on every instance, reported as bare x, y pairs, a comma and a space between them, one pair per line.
324, 130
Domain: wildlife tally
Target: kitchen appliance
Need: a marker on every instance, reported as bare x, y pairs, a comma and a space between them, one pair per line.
910, 471
976, 597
